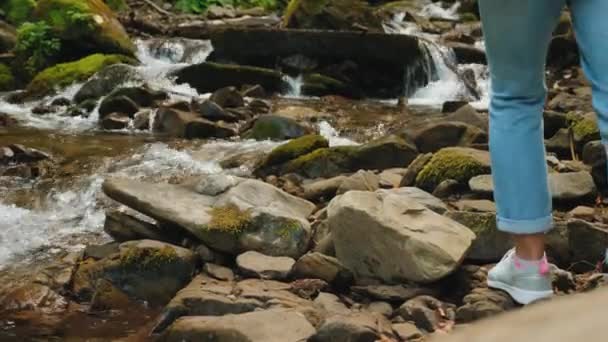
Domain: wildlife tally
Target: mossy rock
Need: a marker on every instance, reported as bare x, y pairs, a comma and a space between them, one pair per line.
457, 163
63, 75
7, 81
490, 243
585, 129
380, 154
321, 85
18, 11
294, 149
85, 26
331, 15
275, 127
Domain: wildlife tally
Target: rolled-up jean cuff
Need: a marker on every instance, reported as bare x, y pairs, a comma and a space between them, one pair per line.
535, 226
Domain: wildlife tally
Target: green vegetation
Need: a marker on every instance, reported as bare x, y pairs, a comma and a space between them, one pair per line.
295, 149
37, 48
199, 6
7, 81
18, 11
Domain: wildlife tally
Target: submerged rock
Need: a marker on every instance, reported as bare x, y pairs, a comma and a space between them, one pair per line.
370, 231
106, 80
177, 123
275, 127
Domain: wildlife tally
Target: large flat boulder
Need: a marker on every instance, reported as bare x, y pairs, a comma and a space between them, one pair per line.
393, 238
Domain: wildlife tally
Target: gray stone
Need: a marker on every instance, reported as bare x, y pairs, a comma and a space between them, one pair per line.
361, 180
219, 272
420, 196
391, 237
317, 265
382, 308
446, 134
427, 313
263, 266
407, 331
124, 227
364, 327
587, 241
563, 186
482, 303
260, 326
393, 293
480, 206
331, 304
215, 184
469, 115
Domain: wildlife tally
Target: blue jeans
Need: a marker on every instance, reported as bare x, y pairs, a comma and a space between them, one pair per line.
517, 35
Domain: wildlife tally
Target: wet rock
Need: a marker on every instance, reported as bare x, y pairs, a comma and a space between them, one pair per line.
141, 120
419, 196
205, 254
446, 134
452, 106
468, 54
572, 186
106, 34
427, 312
354, 327
298, 64
216, 184
219, 272
587, 240
7, 121
44, 109
391, 178
327, 268
16, 153
31, 297
99, 252
114, 121
482, 303
117, 104
188, 125
259, 106
146, 269
407, 331
382, 308
391, 220
269, 220
582, 212
409, 178
322, 189
361, 181
256, 91
228, 97
393, 293
263, 266
109, 297
124, 227
275, 127
252, 327
560, 143
142, 96
490, 244
477, 206
207, 77
322, 85
308, 288
457, 163
212, 111
331, 15
385, 153
106, 80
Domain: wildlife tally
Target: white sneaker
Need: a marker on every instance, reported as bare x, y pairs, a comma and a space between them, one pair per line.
524, 282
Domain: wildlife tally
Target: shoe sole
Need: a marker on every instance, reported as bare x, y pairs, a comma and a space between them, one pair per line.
521, 296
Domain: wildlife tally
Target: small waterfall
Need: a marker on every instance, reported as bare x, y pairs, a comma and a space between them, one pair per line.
295, 86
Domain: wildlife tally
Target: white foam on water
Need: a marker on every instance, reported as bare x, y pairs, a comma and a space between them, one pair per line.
295, 86
333, 137
436, 10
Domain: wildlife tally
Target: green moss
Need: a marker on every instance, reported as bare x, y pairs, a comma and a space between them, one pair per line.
229, 219
62, 75
18, 11
449, 164
7, 81
585, 128
148, 258
289, 227
324, 162
295, 149
87, 24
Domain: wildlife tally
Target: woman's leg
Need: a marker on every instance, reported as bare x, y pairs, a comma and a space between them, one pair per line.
591, 29
517, 35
